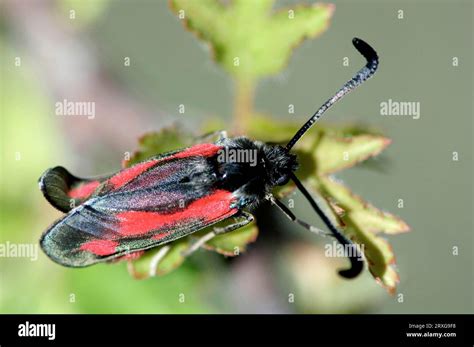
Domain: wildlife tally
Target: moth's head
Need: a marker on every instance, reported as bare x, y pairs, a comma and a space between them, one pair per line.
279, 164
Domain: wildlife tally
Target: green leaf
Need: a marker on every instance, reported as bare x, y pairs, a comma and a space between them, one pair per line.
233, 243
266, 129
362, 213
152, 264
362, 224
334, 153
158, 142
248, 39
327, 148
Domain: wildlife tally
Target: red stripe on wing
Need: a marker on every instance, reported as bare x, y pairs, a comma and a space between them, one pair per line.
125, 176
209, 208
129, 174
100, 247
83, 191
203, 150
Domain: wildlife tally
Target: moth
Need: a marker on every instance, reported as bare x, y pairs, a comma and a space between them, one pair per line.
172, 195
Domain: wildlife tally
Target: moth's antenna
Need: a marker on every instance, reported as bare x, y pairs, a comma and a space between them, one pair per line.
357, 264
365, 73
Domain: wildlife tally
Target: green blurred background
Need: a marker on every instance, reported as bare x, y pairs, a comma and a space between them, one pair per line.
83, 59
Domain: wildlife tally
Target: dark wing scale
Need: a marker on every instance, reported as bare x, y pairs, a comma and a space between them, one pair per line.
139, 208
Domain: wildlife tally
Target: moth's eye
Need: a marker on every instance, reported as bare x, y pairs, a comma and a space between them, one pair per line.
282, 180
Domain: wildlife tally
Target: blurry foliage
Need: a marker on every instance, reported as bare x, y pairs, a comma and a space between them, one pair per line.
249, 40
82, 13
262, 42
313, 280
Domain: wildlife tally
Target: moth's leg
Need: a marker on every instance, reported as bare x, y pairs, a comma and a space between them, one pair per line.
221, 135
155, 261
286, 211
247, 218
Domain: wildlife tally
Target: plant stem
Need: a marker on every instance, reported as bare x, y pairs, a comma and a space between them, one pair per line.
243, 105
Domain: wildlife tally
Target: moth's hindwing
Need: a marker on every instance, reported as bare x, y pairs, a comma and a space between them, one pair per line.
65, 191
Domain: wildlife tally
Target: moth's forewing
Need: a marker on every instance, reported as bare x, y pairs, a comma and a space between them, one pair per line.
146, 205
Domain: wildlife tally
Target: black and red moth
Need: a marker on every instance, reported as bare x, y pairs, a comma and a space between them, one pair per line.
175, 194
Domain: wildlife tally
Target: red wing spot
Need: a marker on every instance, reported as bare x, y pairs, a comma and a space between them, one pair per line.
203, 150
206, 209
84, 190
129, 174
100, 247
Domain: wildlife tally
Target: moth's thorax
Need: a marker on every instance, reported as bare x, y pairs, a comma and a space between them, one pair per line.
251, 168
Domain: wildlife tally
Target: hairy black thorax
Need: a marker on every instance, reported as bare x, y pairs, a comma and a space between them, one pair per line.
251, 169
